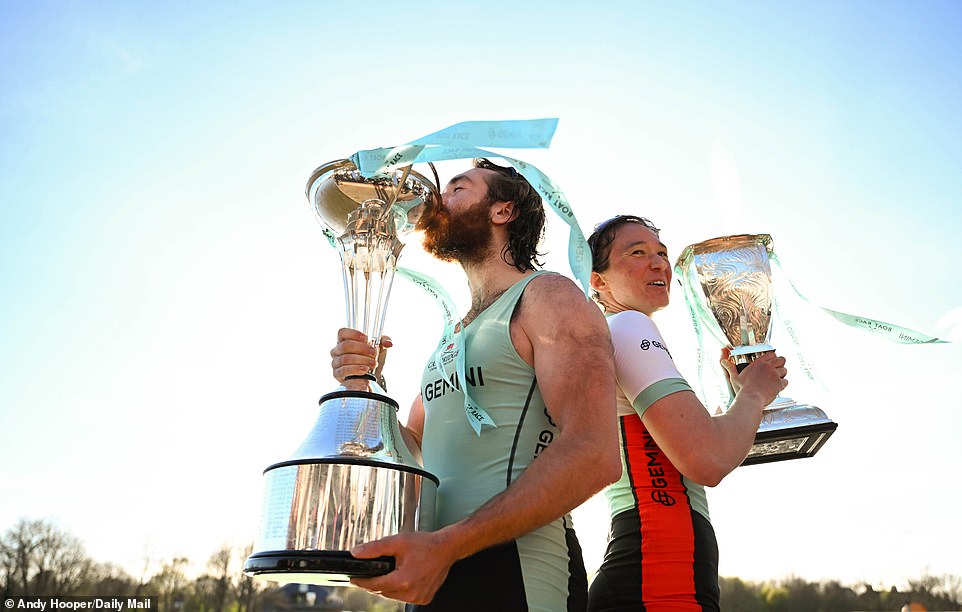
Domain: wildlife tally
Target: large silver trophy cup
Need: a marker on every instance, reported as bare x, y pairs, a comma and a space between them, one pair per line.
353, 479
728, 286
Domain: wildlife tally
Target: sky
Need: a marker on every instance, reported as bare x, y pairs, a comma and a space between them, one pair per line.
169, 301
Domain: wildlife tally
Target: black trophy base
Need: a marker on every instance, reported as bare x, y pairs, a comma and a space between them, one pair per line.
783, 444
330, 567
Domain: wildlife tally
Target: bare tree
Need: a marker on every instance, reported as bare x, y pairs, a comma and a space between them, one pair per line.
947, 585
16, 550
246, 590
148, 561
170, 585
219, 566
7, 571
40, 559
108, 579
67, 563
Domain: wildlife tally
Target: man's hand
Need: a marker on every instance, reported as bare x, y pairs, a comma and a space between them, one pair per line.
421, 565
354, 356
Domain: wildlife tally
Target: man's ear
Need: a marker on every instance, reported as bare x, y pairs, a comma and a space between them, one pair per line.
503, 212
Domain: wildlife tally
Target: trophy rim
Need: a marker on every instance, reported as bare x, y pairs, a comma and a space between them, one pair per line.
324, 171
722, 243
337, 164
361, 462
348, 164
359, 394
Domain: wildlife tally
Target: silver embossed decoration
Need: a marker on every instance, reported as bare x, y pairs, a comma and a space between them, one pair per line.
728, 287
354, 479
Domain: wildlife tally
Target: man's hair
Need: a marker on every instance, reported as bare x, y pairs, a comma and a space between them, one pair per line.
604, 235
527, 229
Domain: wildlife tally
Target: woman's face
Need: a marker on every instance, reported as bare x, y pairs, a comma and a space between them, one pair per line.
639, 273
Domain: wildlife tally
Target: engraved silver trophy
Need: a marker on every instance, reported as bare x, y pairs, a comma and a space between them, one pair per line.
728, 287
353, 479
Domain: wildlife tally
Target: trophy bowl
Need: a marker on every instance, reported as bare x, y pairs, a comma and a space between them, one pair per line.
336, 189
354, 478
728, 288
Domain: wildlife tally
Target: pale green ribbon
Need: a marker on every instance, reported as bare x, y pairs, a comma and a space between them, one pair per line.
698, 314
511, 134
888, 331
461, 141
450, 345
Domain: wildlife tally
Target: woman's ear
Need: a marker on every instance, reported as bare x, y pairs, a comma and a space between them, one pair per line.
597, 281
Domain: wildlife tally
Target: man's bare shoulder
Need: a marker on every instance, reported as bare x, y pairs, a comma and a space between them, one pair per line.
544, 286
552, 299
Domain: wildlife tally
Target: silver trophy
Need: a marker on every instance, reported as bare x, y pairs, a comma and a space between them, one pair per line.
728, 287
353, 479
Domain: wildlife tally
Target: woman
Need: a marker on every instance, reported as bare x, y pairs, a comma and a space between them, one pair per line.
662, 553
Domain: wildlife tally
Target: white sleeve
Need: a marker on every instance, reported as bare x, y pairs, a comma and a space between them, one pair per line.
641, 356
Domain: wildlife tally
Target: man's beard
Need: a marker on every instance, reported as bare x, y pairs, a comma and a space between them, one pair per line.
465, 238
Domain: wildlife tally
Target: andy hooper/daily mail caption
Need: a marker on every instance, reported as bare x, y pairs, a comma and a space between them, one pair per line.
55, 604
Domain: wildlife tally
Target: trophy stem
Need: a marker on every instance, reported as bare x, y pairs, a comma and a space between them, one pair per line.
385, 294
367, 289
348, 283
369, 250
366, 275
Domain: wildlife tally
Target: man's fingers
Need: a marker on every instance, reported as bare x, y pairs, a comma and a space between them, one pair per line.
347, 333
351, 347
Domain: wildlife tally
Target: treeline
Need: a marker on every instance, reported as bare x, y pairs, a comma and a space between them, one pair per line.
37, 559
797, 595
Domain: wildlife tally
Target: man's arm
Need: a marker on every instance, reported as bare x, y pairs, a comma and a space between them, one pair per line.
565, 338
413, 430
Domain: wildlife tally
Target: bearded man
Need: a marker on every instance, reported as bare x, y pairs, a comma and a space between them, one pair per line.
538, 361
